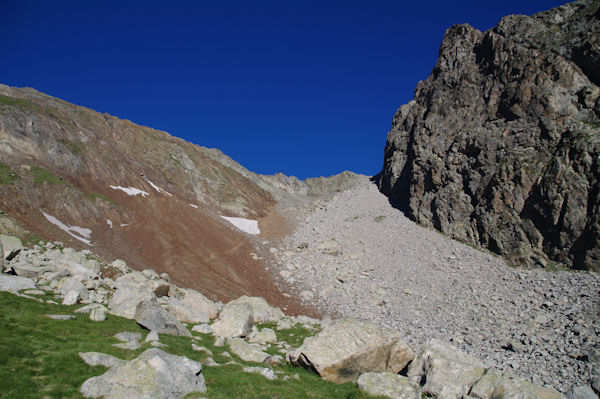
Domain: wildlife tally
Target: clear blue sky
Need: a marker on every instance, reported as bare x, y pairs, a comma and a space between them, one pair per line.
307, 88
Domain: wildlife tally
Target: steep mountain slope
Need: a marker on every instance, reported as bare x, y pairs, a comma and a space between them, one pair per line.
500, 146
69, 173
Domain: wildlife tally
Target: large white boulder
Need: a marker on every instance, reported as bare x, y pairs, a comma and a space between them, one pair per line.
10, 245
235, 320
449, 373
349, 347
153, 374
125, 300
152, 316
190, 306
261, 310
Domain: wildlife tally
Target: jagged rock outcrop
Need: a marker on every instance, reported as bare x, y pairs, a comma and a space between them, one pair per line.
500, 146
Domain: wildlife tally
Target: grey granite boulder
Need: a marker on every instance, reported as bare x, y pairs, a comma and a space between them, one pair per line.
151, 315
495, 385
349, 347
448, 372
261, 310
389, 385
235, 320
153, 374
246, 351
191, 306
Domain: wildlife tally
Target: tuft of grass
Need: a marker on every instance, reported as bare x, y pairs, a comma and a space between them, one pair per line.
40, 357
94, 195
176, 160
32, 239
379, 218
7, 175
74, 147
20, 103
41, 175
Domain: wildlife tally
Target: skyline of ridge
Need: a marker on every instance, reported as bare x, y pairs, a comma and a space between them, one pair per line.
302, 88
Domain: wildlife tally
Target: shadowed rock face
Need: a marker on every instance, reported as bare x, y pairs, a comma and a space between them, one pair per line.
500, 146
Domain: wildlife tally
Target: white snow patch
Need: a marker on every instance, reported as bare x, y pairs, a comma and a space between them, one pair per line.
71, 230
109, 222
130, 190
124, 224
154, 186
246, 225
193, 206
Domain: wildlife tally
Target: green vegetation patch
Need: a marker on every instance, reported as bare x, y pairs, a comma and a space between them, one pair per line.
74, 147
20, 103
176, 160
41, 175
7, 175
32, 239
40, 356
94, 195
379, 218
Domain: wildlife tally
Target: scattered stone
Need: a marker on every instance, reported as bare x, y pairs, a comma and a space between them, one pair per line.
34, 292
125, 300
128, 336
71, 298
202, 349
98, 314
60, 316
88, 308
389, 385
151, 337
153, 374
264, 371
203, 329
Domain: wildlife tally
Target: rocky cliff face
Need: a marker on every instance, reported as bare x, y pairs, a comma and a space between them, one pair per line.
131, 192
501, 145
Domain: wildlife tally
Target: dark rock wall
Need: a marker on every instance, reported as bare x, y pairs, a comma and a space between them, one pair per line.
500, 146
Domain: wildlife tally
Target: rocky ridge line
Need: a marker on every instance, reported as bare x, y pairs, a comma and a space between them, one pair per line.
501, 145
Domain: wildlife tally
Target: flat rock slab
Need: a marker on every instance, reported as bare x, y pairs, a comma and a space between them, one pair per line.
268, 373
128, 336
153, 374
15, 283
60, 316
349, 347
495, 385
389, 385
246, 351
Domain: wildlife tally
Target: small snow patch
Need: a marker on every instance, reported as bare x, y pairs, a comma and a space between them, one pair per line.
109, 222
130, 190
246, 225
124, 224
160, 190
71, 230
193, 206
